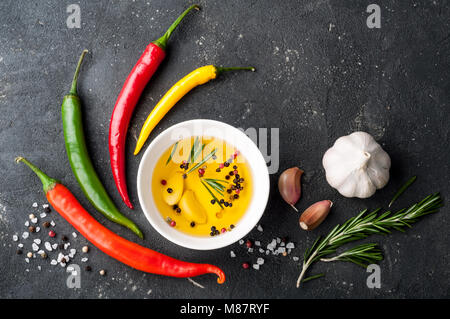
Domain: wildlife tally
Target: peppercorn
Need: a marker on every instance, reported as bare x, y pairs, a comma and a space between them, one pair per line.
234, 167
218, 170
211, 234
88, 268
231, 173
213, 201
163, 182
231, 226
19, 252
32, 229
169, 190
230, 204
46, 224
178, 210
182, 166
64, 238
238, 176
226, 164
52, 233
214, 157
47, 209
175, 207
213, 228
229, 191
235, 196
184, 176
216, 232
245, 265
241, 180
192, 224
226, 204
248, 243
227, 177
222, 201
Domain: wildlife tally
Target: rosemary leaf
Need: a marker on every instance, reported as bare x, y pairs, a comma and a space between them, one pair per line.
312, 277
171, 153
207, 157
213, 196
402, 189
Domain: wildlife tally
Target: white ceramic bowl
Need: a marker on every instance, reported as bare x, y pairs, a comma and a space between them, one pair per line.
233, 136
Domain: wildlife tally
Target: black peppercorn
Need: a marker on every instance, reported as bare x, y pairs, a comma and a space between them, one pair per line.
47, 210
192, 224
231, 173
231, 226
235, 167
213, 201
236, 196
64, 238
217, 170
178, 210
227, 177
19, 252
46, 224
169, 190
226, 164
88, 268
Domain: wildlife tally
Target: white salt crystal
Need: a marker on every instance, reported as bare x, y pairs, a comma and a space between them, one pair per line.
261, 251
15, 237
60, 257
39, 268
74, 235
73, 251
260, 261
55, 246
53, 262
257, 243
232, 254
62, 264
52, 223
259, 228
66, 245
84, 259
278, 240
35, 247
241, 242
70, 268
255, 266
25, 235
27, 260
27, 223
37, 241
43, 215
35, 204
295, 258
48, 246
282, 244
44, 205
290, 246
281, 250
38, 229
34, 220
20, 245
267, 252
250, 250
40, 252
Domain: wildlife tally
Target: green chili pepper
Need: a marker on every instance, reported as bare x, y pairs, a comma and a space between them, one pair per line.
81, 163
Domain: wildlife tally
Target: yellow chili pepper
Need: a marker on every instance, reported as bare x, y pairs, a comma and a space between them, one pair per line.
181, 88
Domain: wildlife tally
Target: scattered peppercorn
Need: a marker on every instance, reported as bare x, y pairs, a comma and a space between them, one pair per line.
175, 207
64, 238
178, 210
32, 229
229, 191
245, 265
234, 167
169, 190
248, 243
184, 176
213, 228
226, 204
231, 173
230, 204
192, 224
19, 252
227, 177
173, 223
163, 182
88, 268
213, 201
235, 196
52, 233
102, 272
46, 224
218, 170
231, 226
47, 209
226, 164
222, 201
85, 249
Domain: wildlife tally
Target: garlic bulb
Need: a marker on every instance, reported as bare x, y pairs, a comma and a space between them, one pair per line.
356, 165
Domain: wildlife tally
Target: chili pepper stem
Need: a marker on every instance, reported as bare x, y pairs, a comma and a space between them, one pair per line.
73, 88
162, 41
48, 183
220, 70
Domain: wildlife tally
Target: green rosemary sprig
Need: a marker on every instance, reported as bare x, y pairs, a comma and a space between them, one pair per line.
193, 150
362, 255
204, 160
364, 225
212, 194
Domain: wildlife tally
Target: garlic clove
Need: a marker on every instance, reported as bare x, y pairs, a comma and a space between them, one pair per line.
289, 185
315, 214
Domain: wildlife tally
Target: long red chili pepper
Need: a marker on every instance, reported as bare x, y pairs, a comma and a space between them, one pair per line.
119, 248
127, 100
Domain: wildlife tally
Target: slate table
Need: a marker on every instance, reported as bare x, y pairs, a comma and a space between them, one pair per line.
321, 73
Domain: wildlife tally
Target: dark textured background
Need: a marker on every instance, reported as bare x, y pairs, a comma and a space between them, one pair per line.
322, 73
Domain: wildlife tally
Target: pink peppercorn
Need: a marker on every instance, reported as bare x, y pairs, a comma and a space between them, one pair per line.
221, 165
223, 230
248, 243
163, 182
238, 191
51, 233
245, 265
235, 172
173, 223
201, 171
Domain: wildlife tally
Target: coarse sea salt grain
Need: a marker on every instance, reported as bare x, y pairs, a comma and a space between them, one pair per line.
261, 251
241, 242
260, 261
48, 246
38, 229
35, 204
232, 254
39, 268
259, 228
290, 245
73, 251
34, 220
84, 259
52, 223
55, 246
74, 234
27, 260
250, 250
25, 235
37, 241
257, 243
255, 266
295, 258
45, 206
53, 262
43, 215
27, 223
66, 245
60, 257
15, 237
35, 247
20, 245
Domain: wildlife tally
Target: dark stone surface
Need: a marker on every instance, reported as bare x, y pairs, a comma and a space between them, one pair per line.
322, 73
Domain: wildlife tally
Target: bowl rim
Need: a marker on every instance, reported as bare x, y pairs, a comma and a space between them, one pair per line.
255, 210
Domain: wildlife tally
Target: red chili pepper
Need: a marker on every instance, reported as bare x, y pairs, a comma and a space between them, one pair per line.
127, 100
119, 248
